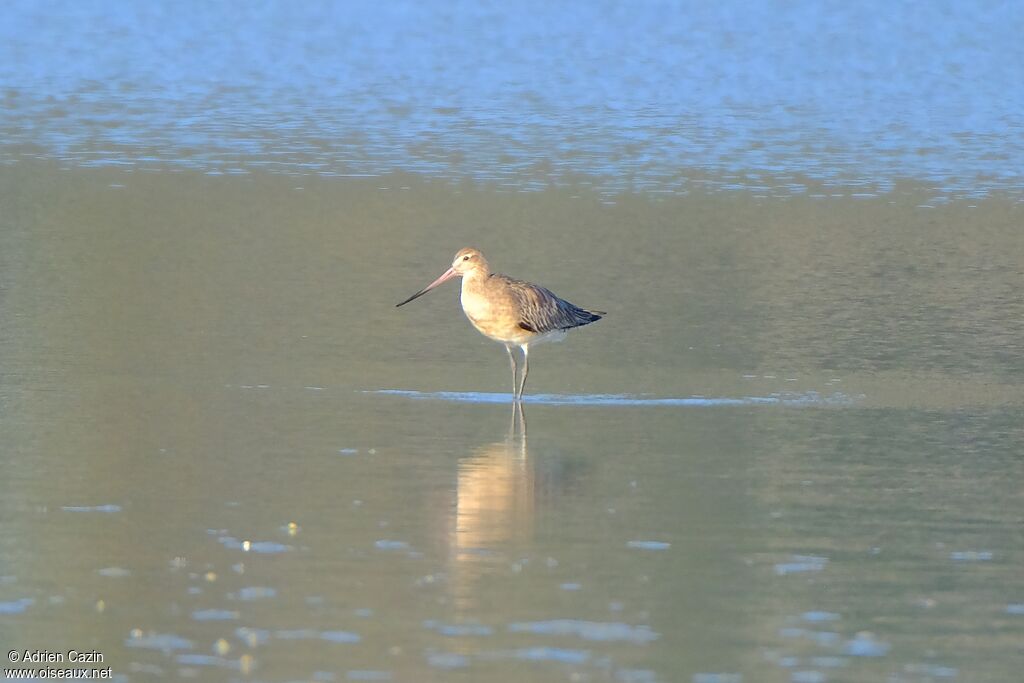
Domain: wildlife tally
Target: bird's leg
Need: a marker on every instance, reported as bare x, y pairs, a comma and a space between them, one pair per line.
526, 368
515, 369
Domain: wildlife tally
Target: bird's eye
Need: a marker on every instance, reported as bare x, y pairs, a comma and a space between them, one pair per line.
466, 257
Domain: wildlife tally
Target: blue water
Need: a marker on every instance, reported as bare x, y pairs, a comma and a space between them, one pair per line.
775, 98
810, 398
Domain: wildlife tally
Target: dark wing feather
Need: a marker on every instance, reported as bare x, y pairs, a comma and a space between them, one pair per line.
542, 311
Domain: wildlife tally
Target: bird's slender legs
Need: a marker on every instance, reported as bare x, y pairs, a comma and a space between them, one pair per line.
518, 383
515, 370
526, 368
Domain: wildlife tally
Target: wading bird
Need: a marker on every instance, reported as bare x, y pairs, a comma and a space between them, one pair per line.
509, 311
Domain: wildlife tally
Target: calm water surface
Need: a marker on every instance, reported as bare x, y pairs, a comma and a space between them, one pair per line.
791, 452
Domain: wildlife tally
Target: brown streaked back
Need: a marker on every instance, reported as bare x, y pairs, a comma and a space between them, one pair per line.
541, 310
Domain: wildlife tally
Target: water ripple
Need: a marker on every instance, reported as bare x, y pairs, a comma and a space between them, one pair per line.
811, 398
722, 96
587, 630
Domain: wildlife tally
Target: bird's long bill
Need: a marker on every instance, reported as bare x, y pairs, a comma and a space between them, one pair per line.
448, 275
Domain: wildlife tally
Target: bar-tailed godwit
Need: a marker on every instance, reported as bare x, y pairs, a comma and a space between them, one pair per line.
509, 311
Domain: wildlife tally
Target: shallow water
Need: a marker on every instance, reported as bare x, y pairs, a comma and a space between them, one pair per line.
663, 97
790, 451
808, 399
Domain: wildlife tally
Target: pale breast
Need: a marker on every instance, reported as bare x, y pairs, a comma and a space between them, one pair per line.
477, 308
493, 316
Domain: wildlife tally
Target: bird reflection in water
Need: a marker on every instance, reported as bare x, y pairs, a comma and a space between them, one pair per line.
494, 512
